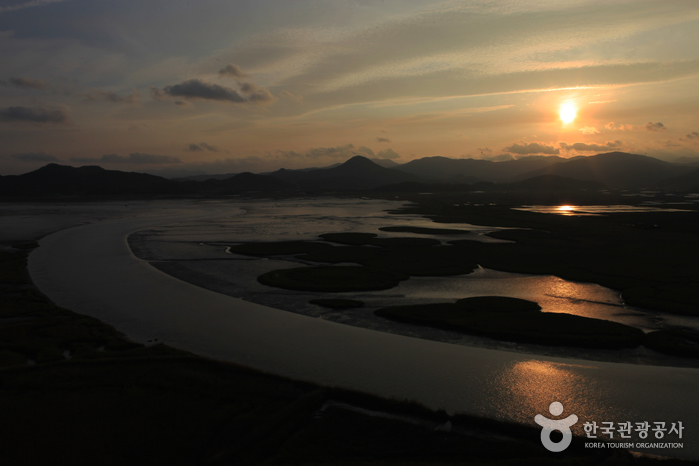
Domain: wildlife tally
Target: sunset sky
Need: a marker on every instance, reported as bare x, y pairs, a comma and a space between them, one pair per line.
182, 87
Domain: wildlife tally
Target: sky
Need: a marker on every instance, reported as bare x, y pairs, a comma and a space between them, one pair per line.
176, 87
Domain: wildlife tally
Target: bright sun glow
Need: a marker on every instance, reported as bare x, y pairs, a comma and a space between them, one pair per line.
567, 112
566, 208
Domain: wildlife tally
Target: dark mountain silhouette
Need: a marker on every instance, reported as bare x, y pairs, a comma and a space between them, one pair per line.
436, 168
223, 176
240, 183
687, 182
537, 183
386, 163
63, 180
615, 169
357, 173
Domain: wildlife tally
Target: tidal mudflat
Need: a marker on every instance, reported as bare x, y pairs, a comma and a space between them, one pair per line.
204, 253
91, 269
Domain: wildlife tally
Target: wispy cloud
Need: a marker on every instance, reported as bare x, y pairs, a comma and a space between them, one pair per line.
197, 89
108, 96
232, 70
584, 147
30, 4
35, 157
388, 154
589, 130
201, 147
338, 152
34, 115
532, 148
650, 126
27, 83
133, 158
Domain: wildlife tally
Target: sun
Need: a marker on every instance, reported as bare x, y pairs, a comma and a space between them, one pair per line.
567, 112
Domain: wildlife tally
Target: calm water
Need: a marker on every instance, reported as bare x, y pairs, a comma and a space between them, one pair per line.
594, 209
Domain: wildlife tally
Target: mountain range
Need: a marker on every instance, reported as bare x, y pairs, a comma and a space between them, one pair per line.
613, 170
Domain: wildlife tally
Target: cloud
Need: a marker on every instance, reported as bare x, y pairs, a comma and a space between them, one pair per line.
589, 130
693, 135
532, 148
35, 157
388, 154
156, 93
339, 151
583, 147
194, 89
26, 83
499, 158
34, 114
232, 70
200, 147
383, 140
650, 126
198, 89
133, 158
618, 126
256, 94
289, 96
29, 4
342, 152
363, 150
108, 96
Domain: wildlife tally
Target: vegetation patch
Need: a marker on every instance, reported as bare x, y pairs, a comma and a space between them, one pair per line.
355, 239
498, 304
338, 303
404, 242
425, 231
332, 279
278, 248
675, 342
517, 320
419, 261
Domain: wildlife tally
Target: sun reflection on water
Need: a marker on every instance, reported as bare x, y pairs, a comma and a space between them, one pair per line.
529, 387
566, 210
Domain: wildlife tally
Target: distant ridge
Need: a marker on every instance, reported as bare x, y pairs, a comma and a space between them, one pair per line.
223, 176
239, 184
615, 169
356, 173
436, 168
63, 180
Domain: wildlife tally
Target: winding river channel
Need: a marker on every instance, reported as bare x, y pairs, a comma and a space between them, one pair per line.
91, 269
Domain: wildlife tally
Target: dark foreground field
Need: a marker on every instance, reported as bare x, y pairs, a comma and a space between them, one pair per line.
74, 391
